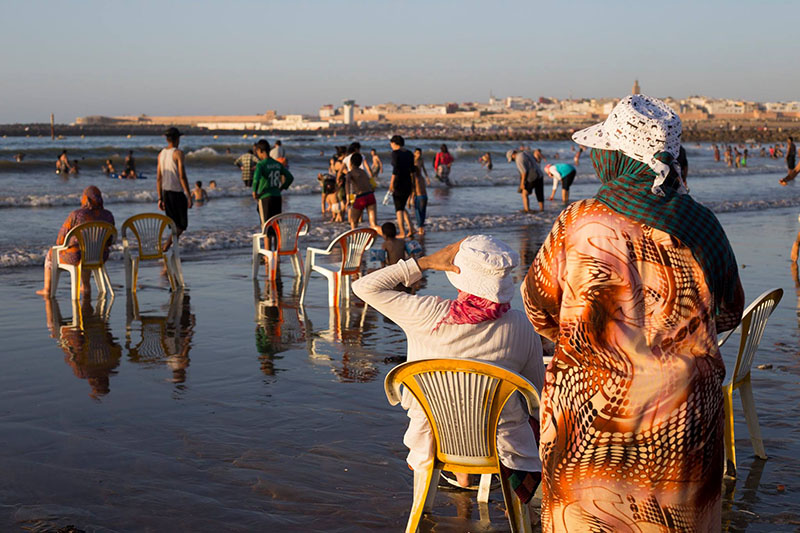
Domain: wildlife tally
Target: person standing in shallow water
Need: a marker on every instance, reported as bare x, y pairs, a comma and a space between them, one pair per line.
530, 177
269, 179
442, 164
401, 184
247, 163
172, 185
377, 164
633, 287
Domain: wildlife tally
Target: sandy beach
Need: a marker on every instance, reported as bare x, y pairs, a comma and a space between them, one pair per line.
227, 413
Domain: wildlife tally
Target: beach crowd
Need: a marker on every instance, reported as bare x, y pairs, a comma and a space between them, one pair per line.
632, 286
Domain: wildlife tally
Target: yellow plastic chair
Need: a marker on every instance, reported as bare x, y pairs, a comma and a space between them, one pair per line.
353, 244
462, 399
288, 228
148, 228
93, 239
754, 320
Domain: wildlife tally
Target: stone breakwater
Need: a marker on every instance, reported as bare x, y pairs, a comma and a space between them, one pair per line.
717, 131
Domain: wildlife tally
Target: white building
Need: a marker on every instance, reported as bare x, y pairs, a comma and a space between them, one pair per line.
348, 110
783, 107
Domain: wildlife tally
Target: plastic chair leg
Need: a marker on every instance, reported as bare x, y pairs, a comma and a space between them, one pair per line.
99, 281
256, 256
109, 290
273, 265
306, 276
54, 275
432, 488
518, 516
76, 282
170, 272
178, 268
730, 448
484, 488
347, 280
298, 270
422, 483
135, 269
749, 408
333, 290
128, 274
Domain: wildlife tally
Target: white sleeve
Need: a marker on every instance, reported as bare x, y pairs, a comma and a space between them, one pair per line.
556, 178
410, 312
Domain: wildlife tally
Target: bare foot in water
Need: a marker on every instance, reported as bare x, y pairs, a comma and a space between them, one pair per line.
44, 292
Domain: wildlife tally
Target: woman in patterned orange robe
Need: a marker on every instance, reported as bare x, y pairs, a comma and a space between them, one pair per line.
632, 415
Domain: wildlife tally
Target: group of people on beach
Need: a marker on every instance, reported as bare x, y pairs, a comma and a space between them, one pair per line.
737, 156
632, 286
127, 173
64, 165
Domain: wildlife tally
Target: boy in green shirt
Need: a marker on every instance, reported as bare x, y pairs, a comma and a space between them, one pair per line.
269, 179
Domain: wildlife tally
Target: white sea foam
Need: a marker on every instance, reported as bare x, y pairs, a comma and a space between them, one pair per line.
193, 243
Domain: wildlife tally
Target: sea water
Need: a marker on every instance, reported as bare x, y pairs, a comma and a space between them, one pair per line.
229, 406
34, 200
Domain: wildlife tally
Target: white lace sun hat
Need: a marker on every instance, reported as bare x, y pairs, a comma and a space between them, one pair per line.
486, 264
640, 127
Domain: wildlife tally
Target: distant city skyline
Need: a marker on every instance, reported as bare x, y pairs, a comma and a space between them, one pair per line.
242, 57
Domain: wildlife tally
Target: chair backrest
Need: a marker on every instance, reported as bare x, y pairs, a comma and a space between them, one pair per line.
353, 243
754, 320
288, 227
148, 228
93, 239
462, 399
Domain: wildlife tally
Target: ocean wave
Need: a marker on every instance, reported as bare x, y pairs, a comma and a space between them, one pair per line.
206, 152
194, 243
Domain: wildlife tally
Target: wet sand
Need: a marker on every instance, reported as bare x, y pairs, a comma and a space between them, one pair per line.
226, 413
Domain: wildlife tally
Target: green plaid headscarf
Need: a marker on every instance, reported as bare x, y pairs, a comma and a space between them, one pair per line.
626, 189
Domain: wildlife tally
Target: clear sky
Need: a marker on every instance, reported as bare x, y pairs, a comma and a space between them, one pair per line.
112, 57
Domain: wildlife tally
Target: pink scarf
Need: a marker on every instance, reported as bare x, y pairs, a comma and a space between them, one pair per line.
471, 309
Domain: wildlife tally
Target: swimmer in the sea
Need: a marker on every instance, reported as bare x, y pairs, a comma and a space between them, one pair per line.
199, 194
486, 161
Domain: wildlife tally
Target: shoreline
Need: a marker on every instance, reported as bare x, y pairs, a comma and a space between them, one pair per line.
210, 461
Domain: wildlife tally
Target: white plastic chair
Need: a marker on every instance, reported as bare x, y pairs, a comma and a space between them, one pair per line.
148, 228
462, 399
288, 228
93, 239
353, 244
754, 321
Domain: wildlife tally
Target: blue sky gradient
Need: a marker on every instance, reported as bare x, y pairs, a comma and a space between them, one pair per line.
241, 57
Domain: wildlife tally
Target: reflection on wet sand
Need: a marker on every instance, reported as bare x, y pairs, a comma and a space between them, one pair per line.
163, 339
278, 322
345, 333
736, 513
89, 346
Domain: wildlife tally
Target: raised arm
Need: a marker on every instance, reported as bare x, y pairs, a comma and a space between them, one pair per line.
406, 310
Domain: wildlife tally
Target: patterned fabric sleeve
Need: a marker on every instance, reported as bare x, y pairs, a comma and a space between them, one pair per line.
541, 290
68, 224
